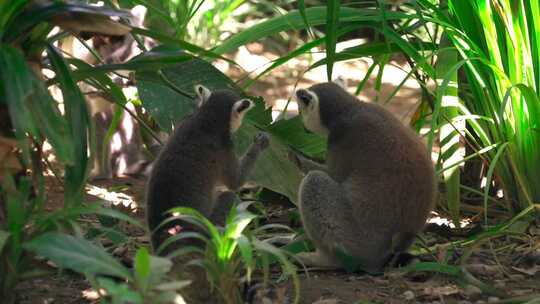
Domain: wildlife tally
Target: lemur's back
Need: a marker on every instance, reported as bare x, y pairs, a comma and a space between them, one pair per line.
173, 182
387, 170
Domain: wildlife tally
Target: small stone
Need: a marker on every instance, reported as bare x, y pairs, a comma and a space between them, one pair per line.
119, 251
408, 295
327, 292
493, 299
522, 292
517, 277
472, 291
500, 284
325, 301
480, 302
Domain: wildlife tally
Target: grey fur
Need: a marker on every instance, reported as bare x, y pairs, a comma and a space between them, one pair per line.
376, 190
197, 160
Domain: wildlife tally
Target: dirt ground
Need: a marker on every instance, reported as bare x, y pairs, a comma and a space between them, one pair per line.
510, 265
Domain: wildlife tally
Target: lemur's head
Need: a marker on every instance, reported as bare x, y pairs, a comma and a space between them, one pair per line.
224, 103
321, 105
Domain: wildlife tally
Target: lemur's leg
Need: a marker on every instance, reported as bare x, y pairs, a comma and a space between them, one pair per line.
323, 209
400, 243
102, 167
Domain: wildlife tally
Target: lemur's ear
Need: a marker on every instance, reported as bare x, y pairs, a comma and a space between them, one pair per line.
203, 94
242, 105
305, 96
340, 81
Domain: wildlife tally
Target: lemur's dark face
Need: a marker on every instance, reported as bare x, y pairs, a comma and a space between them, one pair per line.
239, 107
308, 106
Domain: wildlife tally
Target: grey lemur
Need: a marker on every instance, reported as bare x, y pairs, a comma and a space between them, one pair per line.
377, 188
199, 159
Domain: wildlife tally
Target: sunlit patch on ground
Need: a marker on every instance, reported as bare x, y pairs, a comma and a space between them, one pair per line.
435, 218
116, 198
90, 294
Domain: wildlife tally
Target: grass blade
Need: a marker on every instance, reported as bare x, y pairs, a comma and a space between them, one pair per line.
79, 127
332, 19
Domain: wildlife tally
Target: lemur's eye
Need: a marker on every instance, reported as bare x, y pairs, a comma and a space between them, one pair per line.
304, 96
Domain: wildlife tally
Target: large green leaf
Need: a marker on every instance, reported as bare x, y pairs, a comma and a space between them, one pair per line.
151, 61
166, 39
159, 92
291, 132
294, 21
77, 254
273, 170
371, 49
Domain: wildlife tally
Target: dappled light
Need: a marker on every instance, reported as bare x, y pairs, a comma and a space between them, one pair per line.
116, 198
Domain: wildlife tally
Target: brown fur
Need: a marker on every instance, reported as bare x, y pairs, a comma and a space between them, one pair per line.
377, 190
197, 159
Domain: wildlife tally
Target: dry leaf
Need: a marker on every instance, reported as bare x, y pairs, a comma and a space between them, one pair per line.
8, 157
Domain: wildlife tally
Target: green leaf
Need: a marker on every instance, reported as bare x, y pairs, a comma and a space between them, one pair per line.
294, 21
291, 132
32, 110
450, 132
302, 50
142, 267
434, 267
4, 236
273, 169
302, 10
166, 39
247, 254
120, 292
349, 263
332, 19
77, 254
79, 125
368, 50
9, 10
489, 176
164, 103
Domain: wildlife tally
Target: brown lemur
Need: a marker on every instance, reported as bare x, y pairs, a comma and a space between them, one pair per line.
376, 189
199, 159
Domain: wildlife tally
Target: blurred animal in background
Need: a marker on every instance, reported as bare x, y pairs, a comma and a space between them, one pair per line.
123, 154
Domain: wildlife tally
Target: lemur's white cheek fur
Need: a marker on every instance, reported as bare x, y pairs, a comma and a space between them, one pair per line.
312, 118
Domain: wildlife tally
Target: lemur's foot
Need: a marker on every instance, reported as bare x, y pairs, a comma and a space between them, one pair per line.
317, 259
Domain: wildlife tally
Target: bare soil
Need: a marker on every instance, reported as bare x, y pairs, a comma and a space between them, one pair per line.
506, 264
